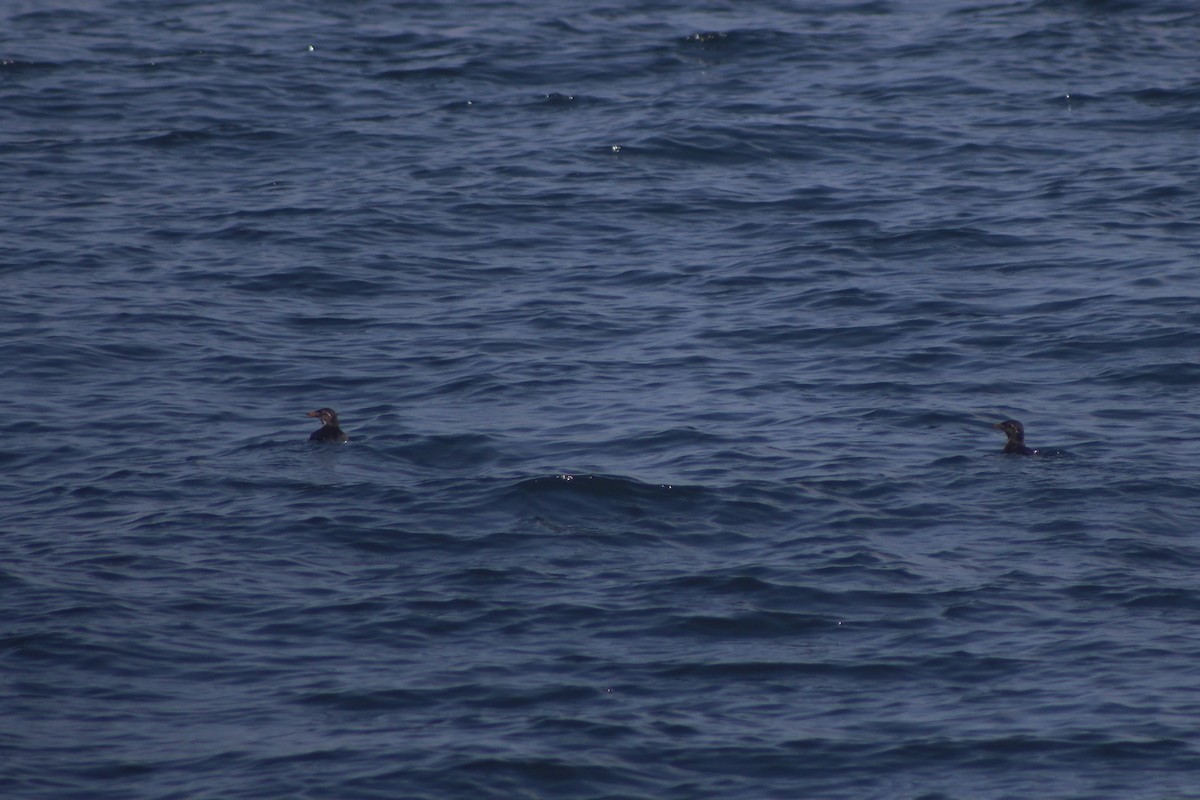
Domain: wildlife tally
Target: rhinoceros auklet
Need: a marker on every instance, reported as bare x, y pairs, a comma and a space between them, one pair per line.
329, 430
1015, 432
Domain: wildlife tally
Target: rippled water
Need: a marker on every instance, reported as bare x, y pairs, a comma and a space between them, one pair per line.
669, 338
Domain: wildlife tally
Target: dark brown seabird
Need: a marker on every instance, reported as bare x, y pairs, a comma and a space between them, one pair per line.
329, 430
1015, 432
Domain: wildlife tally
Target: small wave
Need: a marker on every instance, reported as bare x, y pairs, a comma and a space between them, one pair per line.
610, 487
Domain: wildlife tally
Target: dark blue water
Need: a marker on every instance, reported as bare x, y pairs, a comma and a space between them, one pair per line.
668, 336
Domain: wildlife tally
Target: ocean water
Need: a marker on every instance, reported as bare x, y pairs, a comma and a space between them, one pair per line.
669, 337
